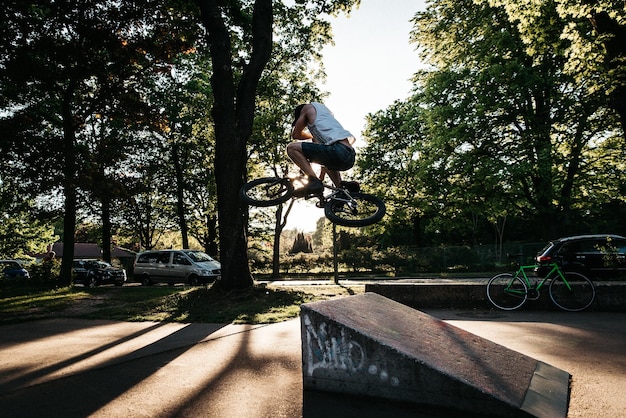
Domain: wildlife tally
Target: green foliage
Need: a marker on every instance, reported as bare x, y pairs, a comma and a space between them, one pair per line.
73, 81
45, 273
507, 135
21, 234
498, 132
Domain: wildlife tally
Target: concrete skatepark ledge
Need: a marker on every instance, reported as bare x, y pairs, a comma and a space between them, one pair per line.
370, 346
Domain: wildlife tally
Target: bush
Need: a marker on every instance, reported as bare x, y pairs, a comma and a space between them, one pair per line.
45, 273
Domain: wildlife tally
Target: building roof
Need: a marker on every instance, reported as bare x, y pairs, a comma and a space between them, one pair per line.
89, 250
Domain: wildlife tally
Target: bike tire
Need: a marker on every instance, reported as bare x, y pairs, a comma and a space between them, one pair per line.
507, 292
575, 295
360, 209
267, 191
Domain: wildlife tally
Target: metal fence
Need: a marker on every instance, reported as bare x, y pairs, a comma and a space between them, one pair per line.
399, 261
465, 258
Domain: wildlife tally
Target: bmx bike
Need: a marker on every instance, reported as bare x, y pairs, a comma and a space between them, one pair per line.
344, 206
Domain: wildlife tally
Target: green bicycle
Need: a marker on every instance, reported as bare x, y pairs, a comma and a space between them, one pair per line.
569, 291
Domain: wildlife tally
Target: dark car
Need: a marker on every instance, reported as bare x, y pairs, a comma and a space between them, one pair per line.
596, 256
12, 269
96, 272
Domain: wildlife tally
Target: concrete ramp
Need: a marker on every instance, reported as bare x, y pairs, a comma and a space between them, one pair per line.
368, 345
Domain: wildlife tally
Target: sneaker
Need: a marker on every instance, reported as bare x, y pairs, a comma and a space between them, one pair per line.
313, 187
351, 186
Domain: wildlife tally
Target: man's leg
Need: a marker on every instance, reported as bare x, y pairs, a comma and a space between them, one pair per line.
334, 175
294, 151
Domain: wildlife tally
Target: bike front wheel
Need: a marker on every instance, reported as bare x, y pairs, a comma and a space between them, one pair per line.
267, 191
507, 292
358, 209
575, 293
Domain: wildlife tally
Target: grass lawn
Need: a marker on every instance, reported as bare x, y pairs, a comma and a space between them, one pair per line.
259, 304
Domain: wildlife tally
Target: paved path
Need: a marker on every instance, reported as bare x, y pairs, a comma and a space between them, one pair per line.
78, 368
591, 346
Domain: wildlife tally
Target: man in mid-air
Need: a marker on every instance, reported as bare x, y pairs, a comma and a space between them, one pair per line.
331, 145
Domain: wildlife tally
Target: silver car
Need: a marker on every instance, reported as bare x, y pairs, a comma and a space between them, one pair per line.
176, 266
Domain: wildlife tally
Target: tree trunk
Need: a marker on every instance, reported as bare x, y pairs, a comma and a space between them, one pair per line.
278, 229
210, 245
69, 185
180, 194
281, 222
233, 114
106, 226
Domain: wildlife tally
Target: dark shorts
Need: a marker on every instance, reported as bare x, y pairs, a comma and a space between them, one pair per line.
337, 156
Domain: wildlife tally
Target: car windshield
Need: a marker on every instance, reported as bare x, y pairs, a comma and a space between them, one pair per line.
198, 256
97, 264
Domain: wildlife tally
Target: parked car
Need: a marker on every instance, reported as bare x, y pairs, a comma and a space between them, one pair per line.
596, 256
12, 269
96, 272
176, 266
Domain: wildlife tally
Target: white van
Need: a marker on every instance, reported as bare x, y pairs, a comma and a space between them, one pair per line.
176, 266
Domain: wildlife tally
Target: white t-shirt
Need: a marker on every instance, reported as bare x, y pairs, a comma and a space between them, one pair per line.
326, 129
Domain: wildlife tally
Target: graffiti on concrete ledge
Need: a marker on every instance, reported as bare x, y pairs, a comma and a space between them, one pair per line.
336, 350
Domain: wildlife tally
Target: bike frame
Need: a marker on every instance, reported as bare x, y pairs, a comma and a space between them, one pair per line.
555, 268
334, 194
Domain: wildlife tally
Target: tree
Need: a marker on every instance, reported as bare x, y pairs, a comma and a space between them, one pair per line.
501, 134
301, 244
240, 38
596, 32
389, 165
184, 96
20, 230
62, 63
508, 114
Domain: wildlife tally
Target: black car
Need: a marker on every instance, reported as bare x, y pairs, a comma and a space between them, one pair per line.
96, 272
596, 256
12, 269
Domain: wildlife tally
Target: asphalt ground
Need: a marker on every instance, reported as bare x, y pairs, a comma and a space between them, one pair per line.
79, 368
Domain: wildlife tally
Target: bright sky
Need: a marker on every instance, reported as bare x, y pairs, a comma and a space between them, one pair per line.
368, 69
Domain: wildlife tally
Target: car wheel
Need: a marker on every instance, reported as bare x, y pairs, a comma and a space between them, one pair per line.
193, 280
145, 280
91, 282
118, 284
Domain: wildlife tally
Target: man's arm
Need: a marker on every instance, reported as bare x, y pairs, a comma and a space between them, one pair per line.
307, 116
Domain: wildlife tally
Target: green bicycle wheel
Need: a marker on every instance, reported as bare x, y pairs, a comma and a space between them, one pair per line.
575, 295
507, 292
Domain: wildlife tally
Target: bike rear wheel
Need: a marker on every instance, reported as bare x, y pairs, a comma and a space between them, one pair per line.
574, 294
507, 292
267, 191
357, 209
